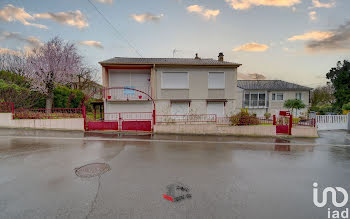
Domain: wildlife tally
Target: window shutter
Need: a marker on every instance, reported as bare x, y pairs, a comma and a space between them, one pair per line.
174, 80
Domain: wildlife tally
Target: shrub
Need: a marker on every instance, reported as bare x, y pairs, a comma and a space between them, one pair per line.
346, 106
244, 118
267, 115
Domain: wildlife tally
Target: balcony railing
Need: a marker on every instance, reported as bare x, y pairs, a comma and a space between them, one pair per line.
255, 104
121, 94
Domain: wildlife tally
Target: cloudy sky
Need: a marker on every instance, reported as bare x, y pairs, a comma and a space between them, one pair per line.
293, 40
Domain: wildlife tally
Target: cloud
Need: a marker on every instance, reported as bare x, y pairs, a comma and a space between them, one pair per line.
105, 1
294, 9
10, 52
71, 18
318, 4
10, 14
252, 47
339, 39
92, 43
32, 41
141, 18
313, 35
206, 13
313, 15
246, 4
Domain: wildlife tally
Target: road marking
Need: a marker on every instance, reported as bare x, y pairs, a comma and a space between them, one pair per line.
172, 141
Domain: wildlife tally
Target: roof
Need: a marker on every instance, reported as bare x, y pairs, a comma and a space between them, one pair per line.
270, 85
166, 61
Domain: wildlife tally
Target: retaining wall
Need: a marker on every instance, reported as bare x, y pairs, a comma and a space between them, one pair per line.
213, 129
6, 121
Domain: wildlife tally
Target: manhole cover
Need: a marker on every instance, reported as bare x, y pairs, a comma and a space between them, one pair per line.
91, 170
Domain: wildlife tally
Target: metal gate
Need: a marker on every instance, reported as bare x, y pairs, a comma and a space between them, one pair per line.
283, 123
331, 122
125, 121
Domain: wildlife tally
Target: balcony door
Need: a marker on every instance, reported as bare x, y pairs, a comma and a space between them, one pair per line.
132, 79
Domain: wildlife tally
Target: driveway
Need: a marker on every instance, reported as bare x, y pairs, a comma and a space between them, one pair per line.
228, 177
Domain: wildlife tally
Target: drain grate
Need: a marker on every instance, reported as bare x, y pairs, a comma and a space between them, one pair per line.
91, 170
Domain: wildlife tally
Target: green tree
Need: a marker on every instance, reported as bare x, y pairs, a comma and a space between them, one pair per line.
340, 78
322, 95
294, 104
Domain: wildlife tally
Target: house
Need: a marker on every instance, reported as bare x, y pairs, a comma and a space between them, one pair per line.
261, 96
178, 86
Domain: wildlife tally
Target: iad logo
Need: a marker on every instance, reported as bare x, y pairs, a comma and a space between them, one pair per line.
333, 195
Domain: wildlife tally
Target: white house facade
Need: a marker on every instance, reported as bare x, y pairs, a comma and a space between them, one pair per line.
178, 86
261, 96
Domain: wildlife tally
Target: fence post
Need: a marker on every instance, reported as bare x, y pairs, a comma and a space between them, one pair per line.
290, 124
154, 116
84, 116
274, 119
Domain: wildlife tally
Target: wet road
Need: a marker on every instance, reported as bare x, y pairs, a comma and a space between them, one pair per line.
229, 177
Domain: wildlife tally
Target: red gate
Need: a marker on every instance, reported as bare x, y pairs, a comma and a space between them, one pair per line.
126, 121
122, 121
283, 123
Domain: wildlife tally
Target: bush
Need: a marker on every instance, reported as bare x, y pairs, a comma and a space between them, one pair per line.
346, 106
244, 118
68, 98
267, 115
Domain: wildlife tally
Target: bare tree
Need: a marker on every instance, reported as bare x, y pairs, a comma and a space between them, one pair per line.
13, 63
56, 62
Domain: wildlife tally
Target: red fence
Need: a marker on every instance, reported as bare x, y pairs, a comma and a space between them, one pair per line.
195, 118
58, 113
305, 122
248, 120
6, 107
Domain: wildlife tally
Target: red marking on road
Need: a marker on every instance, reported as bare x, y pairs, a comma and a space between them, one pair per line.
168, 197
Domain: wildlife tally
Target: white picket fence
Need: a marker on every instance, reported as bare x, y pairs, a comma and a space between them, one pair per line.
331, 122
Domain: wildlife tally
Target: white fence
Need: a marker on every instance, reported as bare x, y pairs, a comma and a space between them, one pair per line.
331, 122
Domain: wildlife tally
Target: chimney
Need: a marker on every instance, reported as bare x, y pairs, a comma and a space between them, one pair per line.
197, 56
221, 57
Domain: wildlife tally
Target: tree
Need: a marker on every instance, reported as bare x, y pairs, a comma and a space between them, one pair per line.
340, 78
294, 104
53, 64
13, 63
322, 95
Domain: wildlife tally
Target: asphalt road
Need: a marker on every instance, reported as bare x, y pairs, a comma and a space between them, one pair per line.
228, 177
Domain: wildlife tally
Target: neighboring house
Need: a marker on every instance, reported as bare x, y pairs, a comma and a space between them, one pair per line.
178, 86
261, 96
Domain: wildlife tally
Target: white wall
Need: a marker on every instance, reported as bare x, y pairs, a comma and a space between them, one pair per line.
124, 106
6, 121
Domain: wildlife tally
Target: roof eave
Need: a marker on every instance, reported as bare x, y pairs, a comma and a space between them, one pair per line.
104, 64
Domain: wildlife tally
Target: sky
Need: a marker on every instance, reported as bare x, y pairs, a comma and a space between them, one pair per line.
293, 40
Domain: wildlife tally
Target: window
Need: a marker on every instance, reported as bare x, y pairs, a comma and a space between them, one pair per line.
179, 108
277, 96
254, 99
216, 108
261, 99
280, 96
175, 80
216, 80
298, 96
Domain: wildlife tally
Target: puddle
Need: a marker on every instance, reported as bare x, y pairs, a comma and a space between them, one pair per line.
92, 170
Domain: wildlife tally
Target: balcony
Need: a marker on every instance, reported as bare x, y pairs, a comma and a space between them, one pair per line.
121, 94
